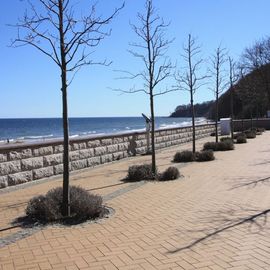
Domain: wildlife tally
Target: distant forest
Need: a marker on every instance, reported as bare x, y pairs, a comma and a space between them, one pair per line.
250, 95
201, 110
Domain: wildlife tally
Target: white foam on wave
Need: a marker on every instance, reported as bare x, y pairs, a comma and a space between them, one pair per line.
89, 132
130, 130
37, 137
198, 121
32, 138
74, 136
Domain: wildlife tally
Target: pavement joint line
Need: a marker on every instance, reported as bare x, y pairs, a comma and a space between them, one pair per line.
123, 190
10, 239
26, 232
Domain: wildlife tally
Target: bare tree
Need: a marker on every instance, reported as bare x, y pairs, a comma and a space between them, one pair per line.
52, 28
218, 61
233, 79
190, 81
151, 51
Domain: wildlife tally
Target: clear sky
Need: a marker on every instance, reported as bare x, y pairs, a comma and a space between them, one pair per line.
30, 82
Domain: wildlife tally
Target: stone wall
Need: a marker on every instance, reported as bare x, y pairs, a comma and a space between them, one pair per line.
21, 163
244, 124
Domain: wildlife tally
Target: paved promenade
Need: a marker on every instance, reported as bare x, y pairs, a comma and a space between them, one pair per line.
214, 217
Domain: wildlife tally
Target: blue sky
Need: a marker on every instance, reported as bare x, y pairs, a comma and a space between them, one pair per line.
30, 82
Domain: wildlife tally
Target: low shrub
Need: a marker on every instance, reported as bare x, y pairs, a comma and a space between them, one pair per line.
235, 135
225, 145
140, 172
48, 208
261, 130
258, 133
184, 156
206, 155
241, 139
210, 146
250, 134
170, 173
223, 139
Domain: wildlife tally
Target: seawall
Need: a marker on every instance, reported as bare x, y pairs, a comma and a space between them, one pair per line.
25, 162
241, 125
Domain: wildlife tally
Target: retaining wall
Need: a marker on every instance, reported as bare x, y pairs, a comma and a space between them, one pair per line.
240, 125
24, 162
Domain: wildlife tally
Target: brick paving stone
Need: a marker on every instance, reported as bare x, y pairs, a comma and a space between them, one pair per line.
196, 222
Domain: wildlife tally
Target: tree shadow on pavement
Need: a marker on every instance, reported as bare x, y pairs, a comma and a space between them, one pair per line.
249, 182
222, 221
226, 220
263, 162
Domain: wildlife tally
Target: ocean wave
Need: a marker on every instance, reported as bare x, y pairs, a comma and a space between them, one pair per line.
89, 132
130, 130
32, 137
39, 137
198, 121
74, 136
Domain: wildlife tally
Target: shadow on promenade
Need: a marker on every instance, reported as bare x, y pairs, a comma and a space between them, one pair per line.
228, 220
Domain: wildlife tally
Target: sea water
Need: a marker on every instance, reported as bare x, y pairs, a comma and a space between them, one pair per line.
49, 128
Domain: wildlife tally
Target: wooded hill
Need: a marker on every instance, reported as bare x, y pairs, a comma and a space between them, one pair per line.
250, 98
201, 110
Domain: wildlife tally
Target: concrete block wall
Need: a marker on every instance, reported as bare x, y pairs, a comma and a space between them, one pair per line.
240, 125
21, 163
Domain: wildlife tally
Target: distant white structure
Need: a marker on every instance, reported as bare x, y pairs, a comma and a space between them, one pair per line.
225, 126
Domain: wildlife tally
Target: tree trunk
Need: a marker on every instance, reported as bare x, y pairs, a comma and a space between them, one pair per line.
232, 113
66, 195
216, 124
251, 120
193, 125
154, 169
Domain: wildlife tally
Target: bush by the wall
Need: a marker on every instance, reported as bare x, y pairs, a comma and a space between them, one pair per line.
140, 172
250, 134
206, 155
170, 173
184, 156
238, 134
261, 130
225, 145
241, 139
210, 146
48, 208
223, 139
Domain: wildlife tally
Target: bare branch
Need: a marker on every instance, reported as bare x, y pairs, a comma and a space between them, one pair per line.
151, 50
36, 30
133, 90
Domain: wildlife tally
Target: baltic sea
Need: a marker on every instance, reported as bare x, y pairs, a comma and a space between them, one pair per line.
49, 128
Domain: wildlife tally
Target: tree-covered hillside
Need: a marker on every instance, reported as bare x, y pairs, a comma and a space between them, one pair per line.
250, 95
201, 110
